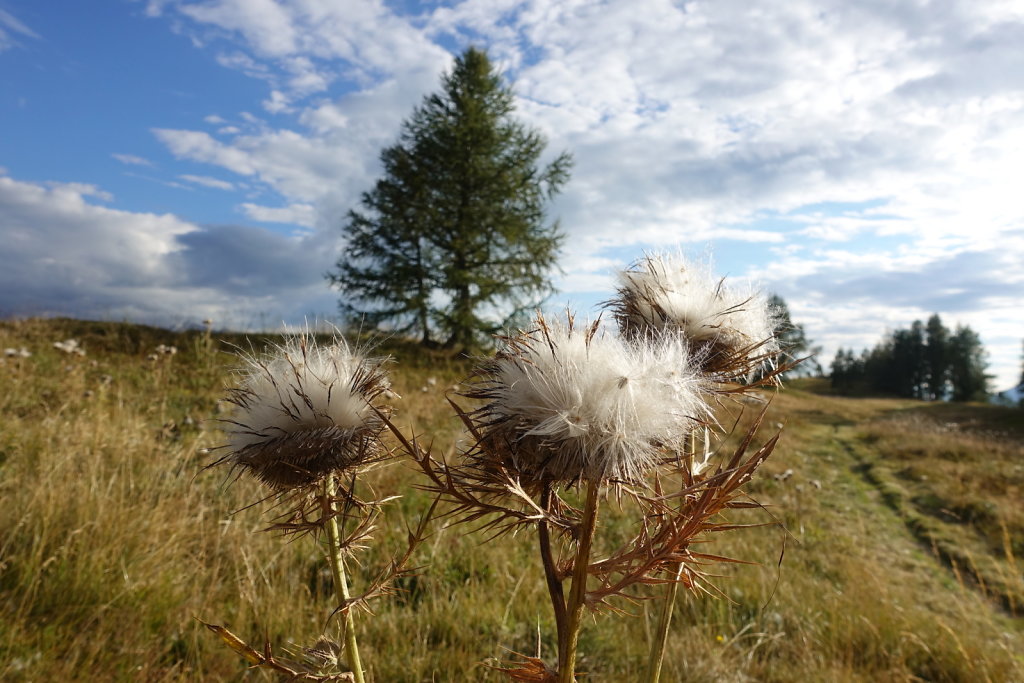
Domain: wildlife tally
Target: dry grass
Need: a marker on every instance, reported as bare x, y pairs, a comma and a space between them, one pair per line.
112, 542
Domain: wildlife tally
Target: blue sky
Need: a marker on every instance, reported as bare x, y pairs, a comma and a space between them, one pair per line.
171, 160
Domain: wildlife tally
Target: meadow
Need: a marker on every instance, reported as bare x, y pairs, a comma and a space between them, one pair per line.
897, 552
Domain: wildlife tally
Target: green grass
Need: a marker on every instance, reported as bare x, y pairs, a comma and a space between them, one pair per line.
901, 561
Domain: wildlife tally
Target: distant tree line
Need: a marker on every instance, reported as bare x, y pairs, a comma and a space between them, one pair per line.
926, 361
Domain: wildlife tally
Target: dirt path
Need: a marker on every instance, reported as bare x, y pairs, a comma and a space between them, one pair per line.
957, 548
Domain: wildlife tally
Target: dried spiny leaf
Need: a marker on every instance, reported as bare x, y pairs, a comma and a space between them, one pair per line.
267, 660
384, 582
490, 495
527, 669
663, 551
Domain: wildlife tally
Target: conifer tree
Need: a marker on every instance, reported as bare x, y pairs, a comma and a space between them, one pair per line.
968, 379
793, 339
454, 239
1021, 383
937, 357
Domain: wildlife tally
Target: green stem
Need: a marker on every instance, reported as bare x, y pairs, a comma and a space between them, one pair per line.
578, 592
334, 555
657, 655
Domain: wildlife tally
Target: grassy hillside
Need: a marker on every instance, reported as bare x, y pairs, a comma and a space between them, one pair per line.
902, 559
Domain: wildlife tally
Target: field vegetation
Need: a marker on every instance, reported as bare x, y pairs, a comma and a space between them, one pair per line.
899, 555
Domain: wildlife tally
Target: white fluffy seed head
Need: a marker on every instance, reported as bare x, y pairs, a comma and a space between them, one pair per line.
671, 292
303, 410
564, 404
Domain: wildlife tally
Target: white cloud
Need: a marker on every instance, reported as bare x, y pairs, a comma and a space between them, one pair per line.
851, 299
302, 46
154, 8
113, 251
207, 181
297, 214
148, 267
202, 147
132, 160
277, 103
265, 23
246, 64
11, 24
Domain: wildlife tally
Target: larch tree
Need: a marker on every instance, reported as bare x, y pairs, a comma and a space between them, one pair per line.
454, 240
968, 379
1021, 383
937, 357
793, 339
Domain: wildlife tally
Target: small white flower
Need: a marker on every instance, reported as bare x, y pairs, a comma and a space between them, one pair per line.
565, 403
69, 346
303, 411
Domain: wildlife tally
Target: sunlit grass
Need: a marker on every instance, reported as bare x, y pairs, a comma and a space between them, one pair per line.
113, 541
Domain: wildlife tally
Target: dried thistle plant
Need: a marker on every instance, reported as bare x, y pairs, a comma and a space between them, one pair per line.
566, 408
565, 416
306, 424
730, 329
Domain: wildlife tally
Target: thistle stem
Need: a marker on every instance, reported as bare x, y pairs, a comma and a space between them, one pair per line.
550, 570
657, 654
578, 592
334, 555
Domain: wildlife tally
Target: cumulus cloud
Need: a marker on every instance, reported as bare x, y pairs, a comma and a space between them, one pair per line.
301, 47
277, 103
758, 108
851, 298
150, 267
113, 251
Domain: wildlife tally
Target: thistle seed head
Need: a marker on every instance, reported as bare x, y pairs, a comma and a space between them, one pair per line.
724, 323
564, 404
303, 410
